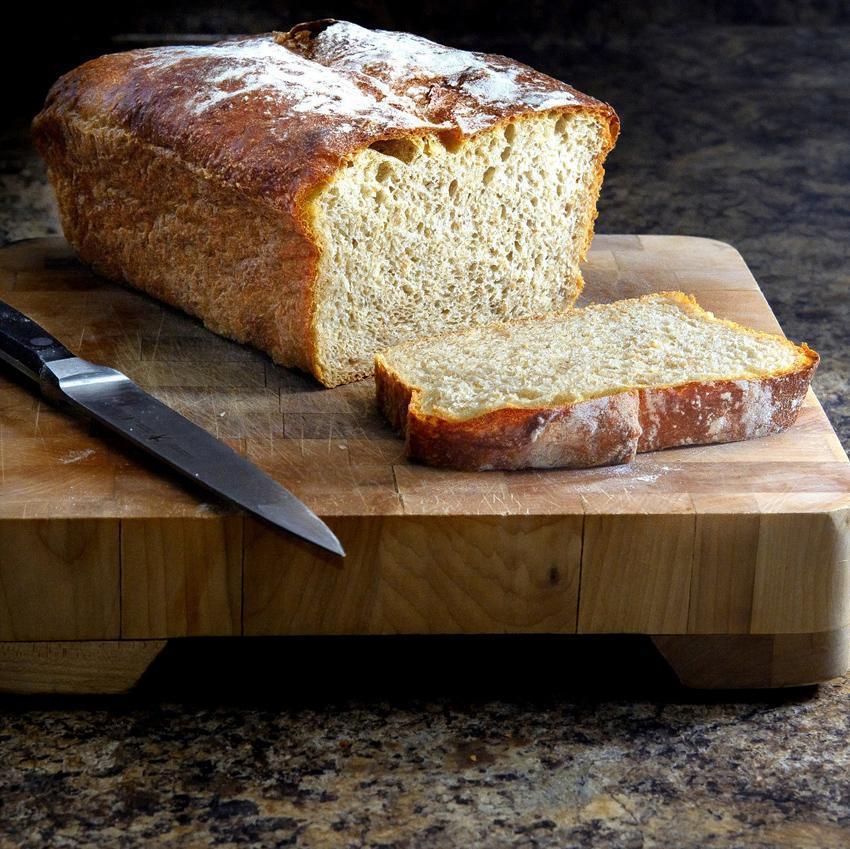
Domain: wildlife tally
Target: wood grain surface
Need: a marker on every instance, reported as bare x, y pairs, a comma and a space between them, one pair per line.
85, 666
99, 543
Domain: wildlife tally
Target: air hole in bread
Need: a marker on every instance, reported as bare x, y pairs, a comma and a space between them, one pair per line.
451, 140
405, 150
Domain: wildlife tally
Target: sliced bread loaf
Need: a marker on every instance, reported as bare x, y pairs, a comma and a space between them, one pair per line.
329, 191
591, 386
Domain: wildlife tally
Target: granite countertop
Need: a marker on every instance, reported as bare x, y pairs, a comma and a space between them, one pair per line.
530, 742
738, 133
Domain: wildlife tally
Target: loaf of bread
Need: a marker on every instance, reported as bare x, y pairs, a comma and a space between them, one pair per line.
591, 387
329, 191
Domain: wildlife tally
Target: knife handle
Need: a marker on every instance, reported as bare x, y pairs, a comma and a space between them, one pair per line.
27, 345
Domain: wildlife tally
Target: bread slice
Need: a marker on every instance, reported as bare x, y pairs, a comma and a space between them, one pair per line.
590, 387
329, 191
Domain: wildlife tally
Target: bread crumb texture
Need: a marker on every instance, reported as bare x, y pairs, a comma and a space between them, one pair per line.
660, 340
418, 238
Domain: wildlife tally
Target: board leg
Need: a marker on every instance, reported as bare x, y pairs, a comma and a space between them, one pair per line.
91, 666
744, 661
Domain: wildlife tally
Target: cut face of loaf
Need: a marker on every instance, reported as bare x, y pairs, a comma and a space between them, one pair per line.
591, 387
329, 191
419, 239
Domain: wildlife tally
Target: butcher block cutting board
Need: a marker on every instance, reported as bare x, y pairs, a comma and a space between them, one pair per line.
733, 558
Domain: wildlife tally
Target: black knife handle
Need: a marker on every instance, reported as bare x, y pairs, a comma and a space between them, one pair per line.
26, 345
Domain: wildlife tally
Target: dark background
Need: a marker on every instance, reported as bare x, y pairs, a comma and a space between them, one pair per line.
735, 116
63, 37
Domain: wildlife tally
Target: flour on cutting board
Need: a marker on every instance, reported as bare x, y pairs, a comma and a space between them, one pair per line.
648, 472
641, 471
76, 456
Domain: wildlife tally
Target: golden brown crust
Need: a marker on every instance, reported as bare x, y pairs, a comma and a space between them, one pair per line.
601, 431
722, 410
393, 396
200, 251
264, 122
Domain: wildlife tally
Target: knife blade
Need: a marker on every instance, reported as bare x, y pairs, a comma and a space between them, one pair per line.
112, 399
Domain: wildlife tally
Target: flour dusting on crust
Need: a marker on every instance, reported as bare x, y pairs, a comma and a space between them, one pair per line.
261, 68
757, 408
417, 69
347, 71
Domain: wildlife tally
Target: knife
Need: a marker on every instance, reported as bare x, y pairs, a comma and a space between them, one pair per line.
112, 399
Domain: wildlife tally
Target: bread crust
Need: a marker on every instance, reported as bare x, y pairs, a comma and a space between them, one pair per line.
255, 127
602, 431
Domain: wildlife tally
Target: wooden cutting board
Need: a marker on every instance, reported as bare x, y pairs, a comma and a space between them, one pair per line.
732, 557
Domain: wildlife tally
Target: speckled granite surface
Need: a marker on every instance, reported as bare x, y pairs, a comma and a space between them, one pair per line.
412, 743
736, 133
